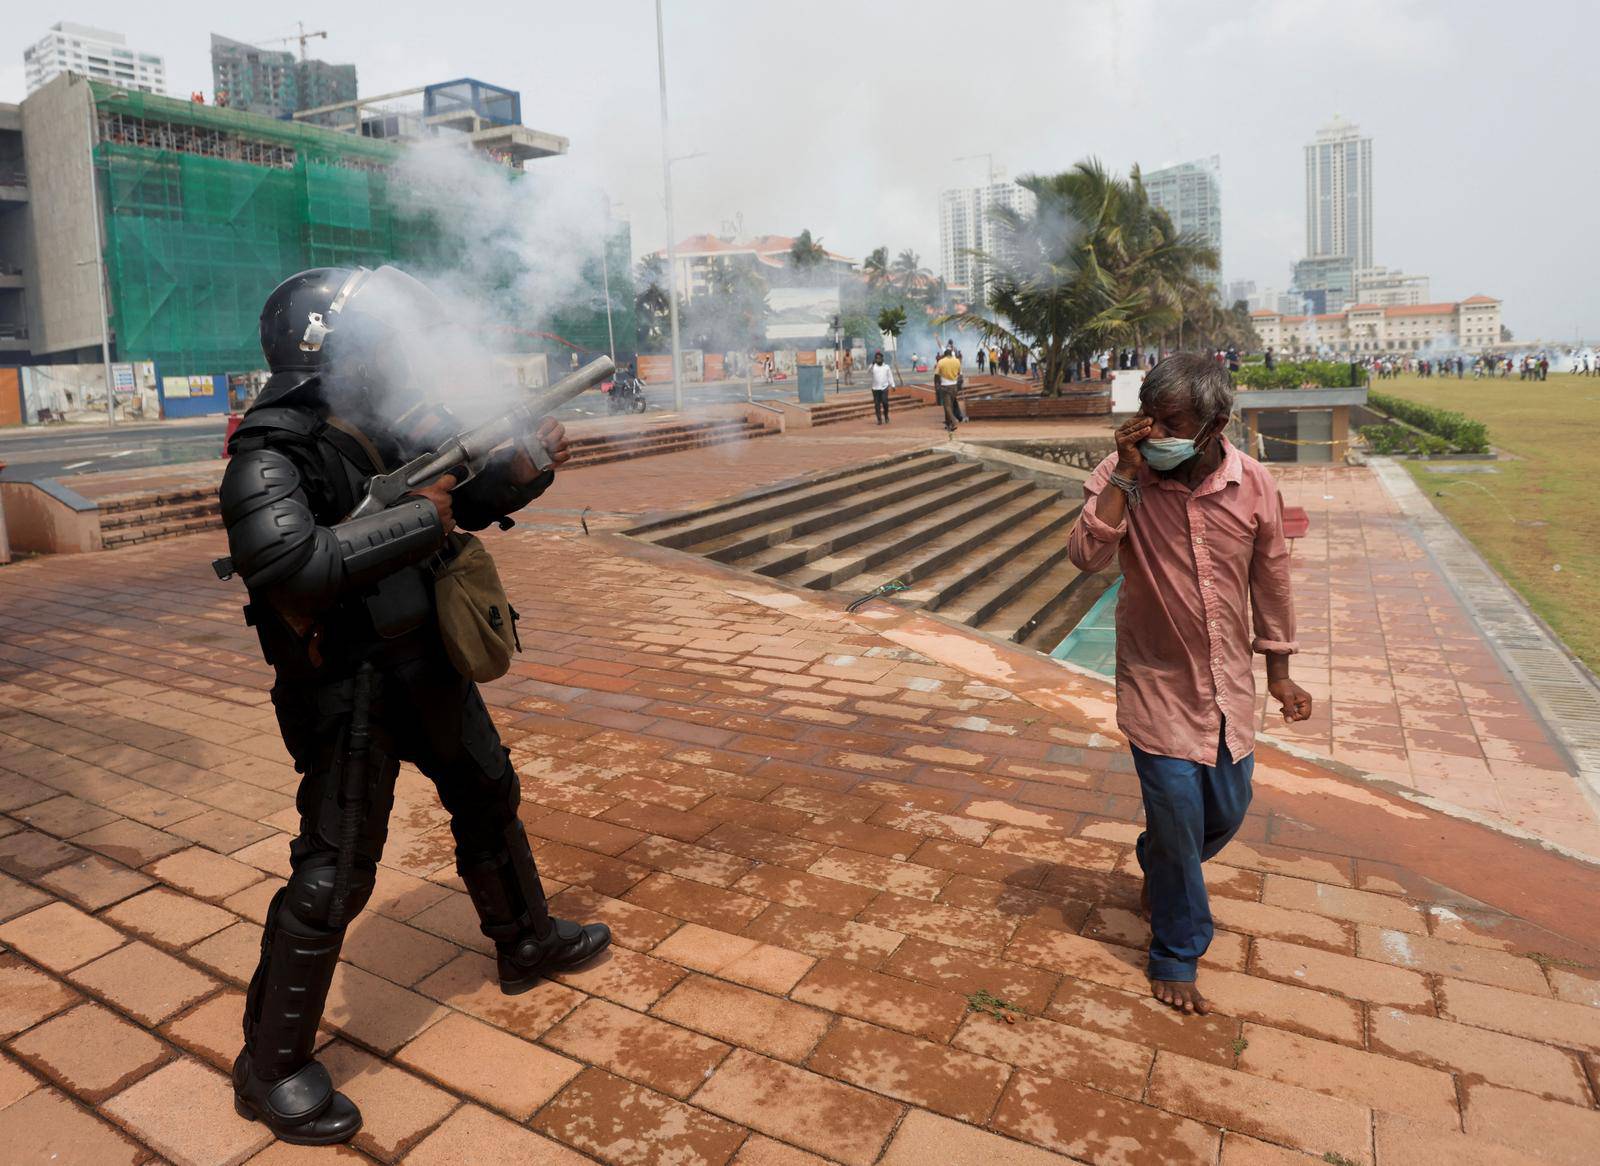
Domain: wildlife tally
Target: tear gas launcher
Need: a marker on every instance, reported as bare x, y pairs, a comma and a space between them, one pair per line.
465, 454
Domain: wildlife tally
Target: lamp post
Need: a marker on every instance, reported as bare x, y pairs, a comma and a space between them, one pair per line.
672, 231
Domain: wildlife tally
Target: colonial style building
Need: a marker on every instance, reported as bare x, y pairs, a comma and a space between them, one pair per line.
1472, 325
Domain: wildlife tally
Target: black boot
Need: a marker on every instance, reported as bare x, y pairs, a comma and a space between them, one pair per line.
529, 943
303, 1108
563, 947
275, 1079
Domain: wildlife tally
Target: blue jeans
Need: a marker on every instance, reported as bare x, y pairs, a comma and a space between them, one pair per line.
1190, 812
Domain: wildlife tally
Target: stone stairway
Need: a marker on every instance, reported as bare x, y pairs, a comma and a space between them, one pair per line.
853, 406
972, 543
593, 449
140, 518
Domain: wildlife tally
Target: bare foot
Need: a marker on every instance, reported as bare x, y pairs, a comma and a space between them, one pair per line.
1144, 899
1180, 995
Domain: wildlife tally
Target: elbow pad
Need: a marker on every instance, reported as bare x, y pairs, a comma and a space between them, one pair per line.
279, 550
381, 544
271, 531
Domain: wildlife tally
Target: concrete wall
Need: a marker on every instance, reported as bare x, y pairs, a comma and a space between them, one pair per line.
63, 298
46, 518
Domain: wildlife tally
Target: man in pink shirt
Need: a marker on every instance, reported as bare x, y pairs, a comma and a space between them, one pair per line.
1197, 528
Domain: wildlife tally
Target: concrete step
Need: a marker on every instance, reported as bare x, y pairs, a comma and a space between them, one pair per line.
865, 499
155, 514
980, 601
663, 429
1034, 604
130, 536
123, 503
779, 560
946, 565
1009, 497
859, 405
945, 585
696, 527
649, 447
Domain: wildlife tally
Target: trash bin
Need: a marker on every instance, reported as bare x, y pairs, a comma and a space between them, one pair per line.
810, 384
233, 423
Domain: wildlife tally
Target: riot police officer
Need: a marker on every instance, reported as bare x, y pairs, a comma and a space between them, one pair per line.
344, 612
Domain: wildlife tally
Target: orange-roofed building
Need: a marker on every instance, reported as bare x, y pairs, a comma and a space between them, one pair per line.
1470, 325
770, 254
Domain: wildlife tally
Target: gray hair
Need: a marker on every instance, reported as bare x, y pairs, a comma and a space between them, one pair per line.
1197, 380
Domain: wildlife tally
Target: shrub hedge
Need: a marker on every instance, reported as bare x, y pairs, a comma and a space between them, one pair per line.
1391, 438
1458, 431
1328, 374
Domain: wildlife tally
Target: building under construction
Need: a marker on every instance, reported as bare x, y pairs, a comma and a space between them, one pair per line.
199, 212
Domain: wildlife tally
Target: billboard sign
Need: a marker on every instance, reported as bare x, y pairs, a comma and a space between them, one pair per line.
801, 313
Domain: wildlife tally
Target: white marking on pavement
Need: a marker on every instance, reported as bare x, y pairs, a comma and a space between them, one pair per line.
124, 452
75, 465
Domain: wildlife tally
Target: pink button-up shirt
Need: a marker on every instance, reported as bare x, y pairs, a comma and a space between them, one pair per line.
1193, 562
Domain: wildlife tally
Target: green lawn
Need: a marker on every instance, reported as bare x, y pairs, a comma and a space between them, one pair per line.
1541, 511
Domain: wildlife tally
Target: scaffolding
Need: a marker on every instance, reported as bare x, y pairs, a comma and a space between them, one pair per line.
207, 209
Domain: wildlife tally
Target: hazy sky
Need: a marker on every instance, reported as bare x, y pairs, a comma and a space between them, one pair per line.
847, 117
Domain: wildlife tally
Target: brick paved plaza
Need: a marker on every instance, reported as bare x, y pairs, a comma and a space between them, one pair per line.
823, 842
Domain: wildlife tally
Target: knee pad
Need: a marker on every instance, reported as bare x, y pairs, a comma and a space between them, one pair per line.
308, 897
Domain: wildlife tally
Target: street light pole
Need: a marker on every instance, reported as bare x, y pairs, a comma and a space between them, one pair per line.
672, 230
100, 269
605, 277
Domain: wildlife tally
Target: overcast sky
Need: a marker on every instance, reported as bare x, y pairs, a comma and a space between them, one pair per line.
847, 118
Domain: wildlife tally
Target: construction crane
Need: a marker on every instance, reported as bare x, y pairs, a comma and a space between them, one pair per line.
302, 36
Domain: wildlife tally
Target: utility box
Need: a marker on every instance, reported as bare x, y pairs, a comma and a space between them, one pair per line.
810, 376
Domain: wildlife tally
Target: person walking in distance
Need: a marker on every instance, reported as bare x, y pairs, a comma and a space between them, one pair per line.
882, 382
1197, 527
947, 383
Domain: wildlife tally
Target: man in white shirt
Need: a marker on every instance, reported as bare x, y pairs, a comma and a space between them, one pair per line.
882, 382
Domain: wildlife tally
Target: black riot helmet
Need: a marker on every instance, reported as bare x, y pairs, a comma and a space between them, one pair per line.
294, 325
379, 341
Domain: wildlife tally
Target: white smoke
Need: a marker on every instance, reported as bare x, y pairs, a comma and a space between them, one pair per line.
514, 250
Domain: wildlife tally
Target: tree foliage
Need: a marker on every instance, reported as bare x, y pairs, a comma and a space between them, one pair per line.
806, 251
730, 315
1093, 265
650, 302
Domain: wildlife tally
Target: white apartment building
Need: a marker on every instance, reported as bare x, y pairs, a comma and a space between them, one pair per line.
1470, 326
1390, 289
1339, 194
1191, 194
96, 53
965, 225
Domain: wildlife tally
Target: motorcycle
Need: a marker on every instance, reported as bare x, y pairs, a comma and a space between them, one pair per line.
625, 394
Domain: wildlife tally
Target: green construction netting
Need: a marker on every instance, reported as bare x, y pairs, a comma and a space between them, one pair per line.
195, 243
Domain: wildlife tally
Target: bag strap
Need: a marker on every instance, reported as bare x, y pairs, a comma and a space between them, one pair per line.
363, 442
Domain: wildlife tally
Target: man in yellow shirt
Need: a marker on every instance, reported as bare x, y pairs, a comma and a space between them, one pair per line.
946, 383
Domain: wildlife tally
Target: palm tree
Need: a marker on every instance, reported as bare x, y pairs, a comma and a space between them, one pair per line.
1094, 264
806, 251
892, 322
908, 270
650, 304
875, 267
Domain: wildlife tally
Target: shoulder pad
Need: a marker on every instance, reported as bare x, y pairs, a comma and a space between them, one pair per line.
254, 479
262, 424
270, 528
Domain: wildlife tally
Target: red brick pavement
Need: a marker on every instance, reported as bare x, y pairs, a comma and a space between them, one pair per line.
818, 838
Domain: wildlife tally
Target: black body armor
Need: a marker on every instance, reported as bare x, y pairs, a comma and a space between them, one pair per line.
344, 611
